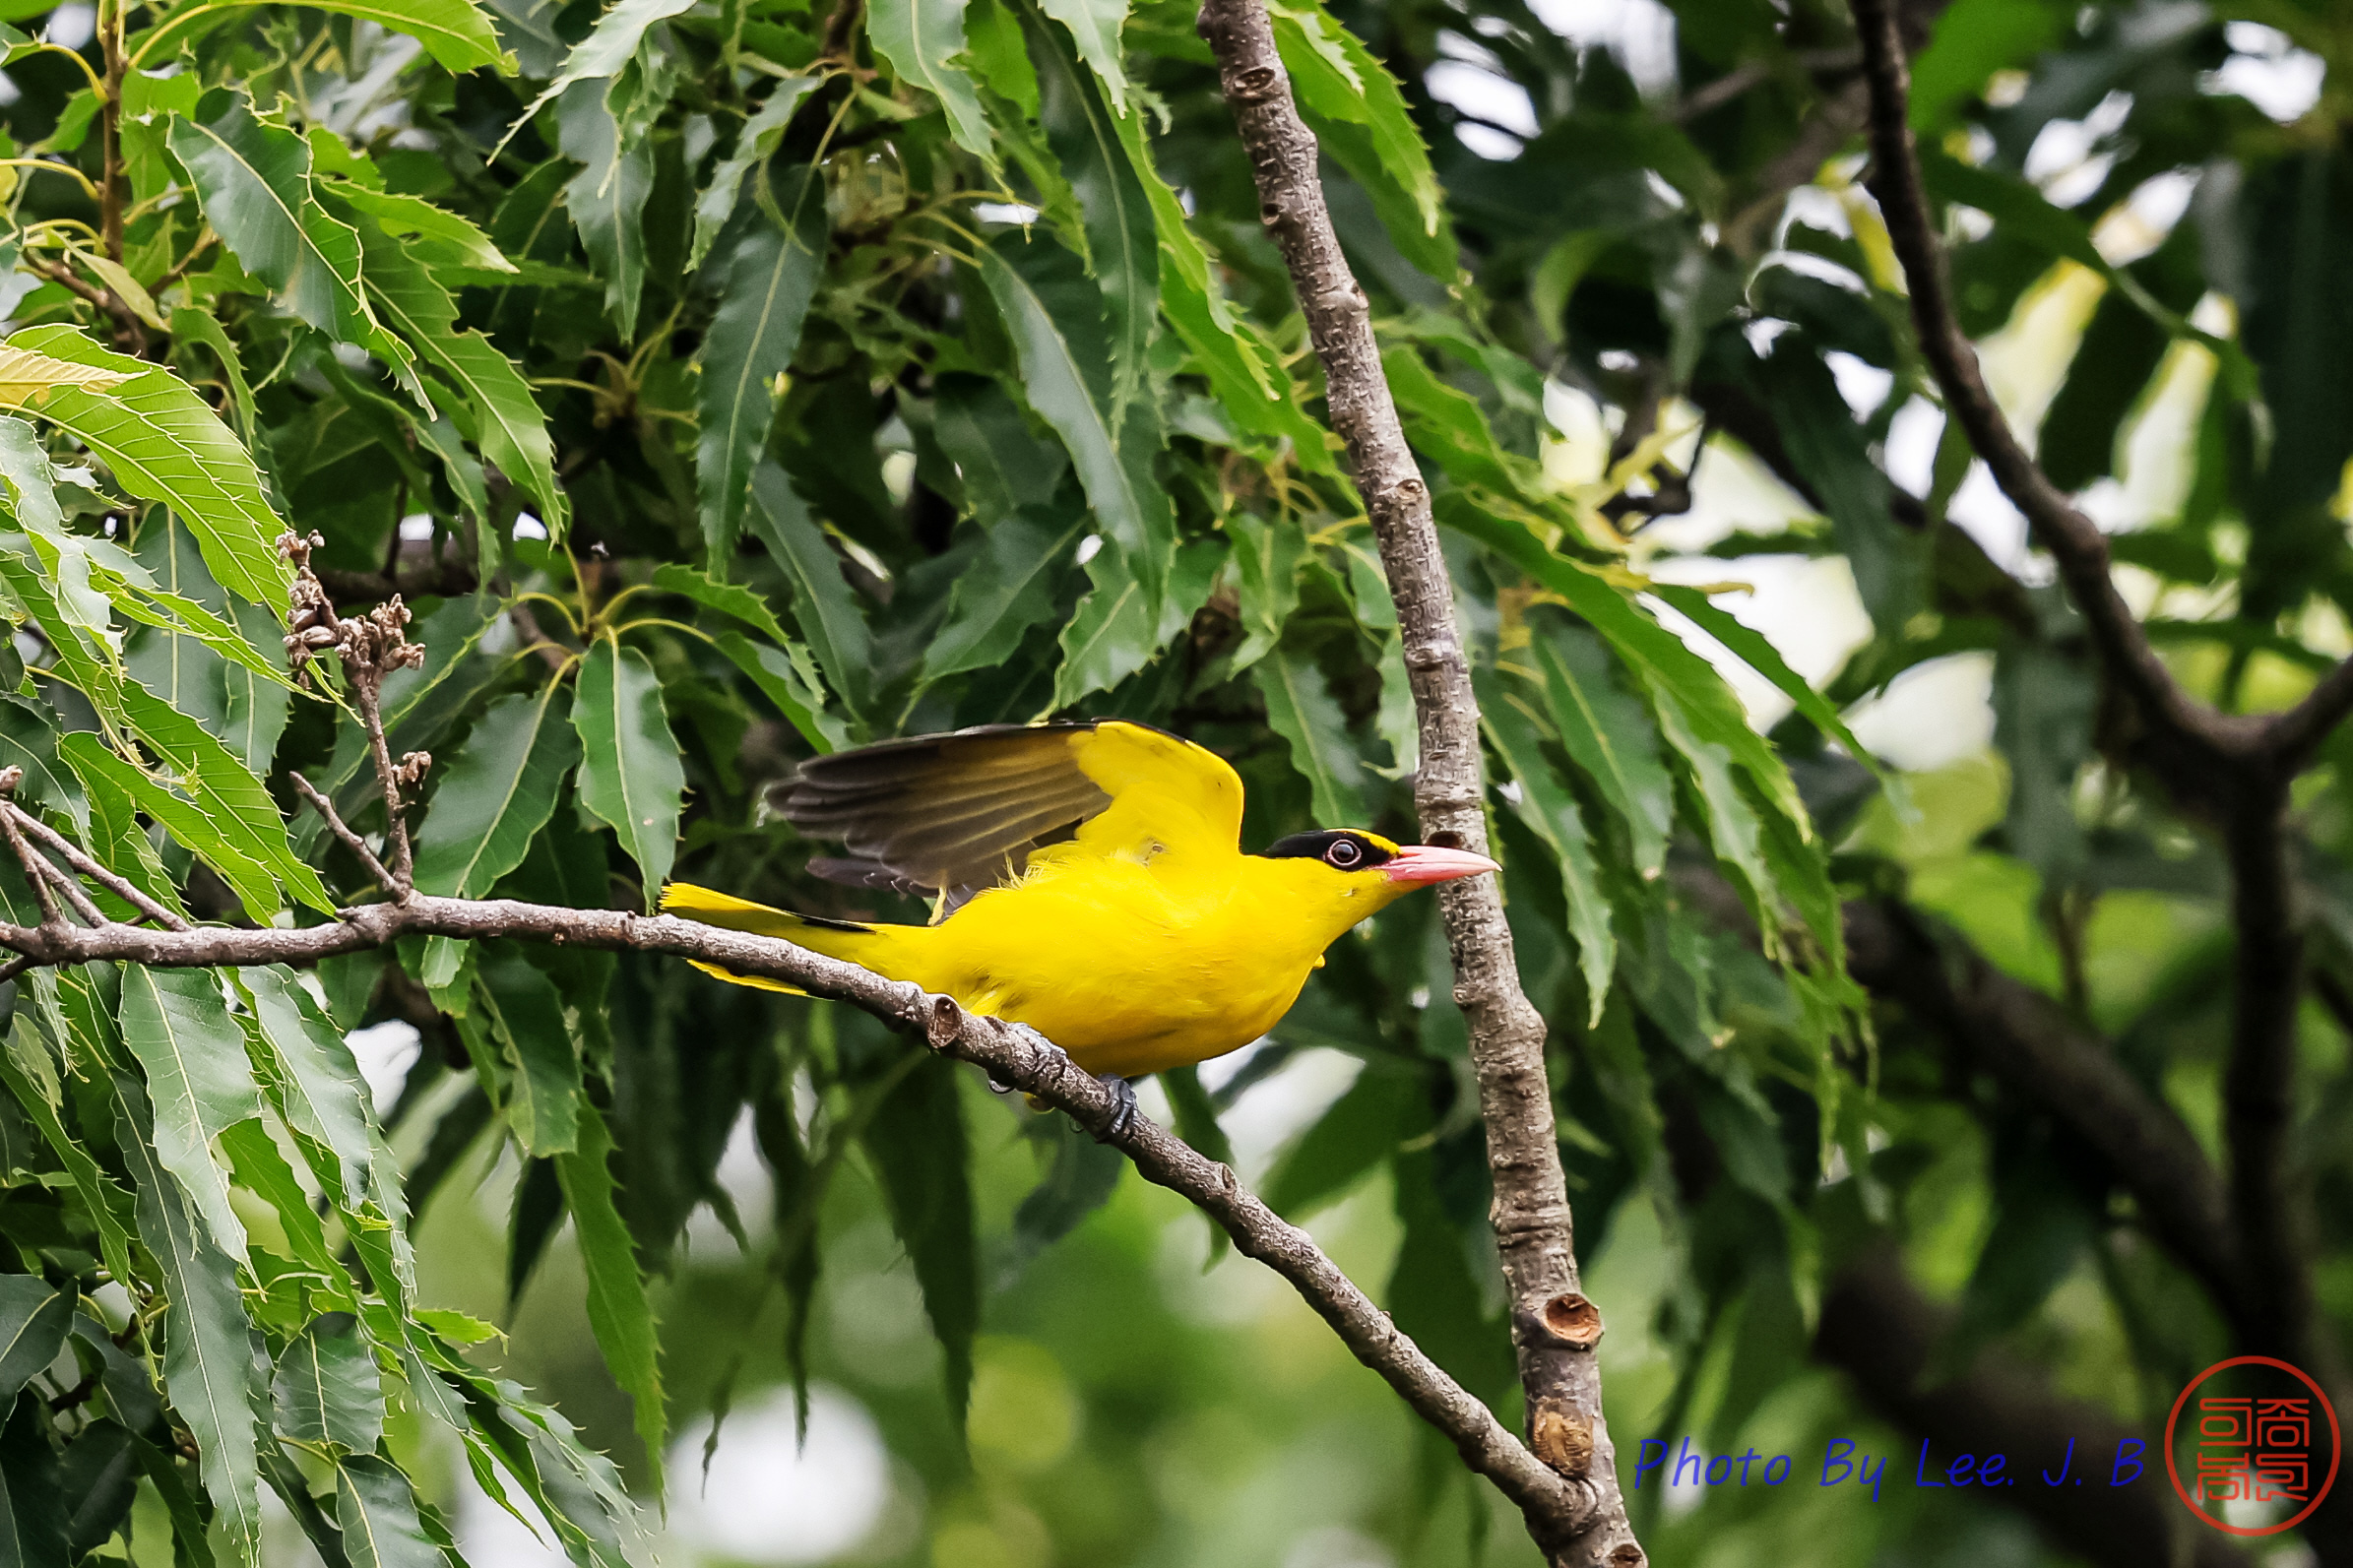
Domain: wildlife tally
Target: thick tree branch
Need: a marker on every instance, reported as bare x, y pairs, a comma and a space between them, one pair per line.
1534, 1232
1884, 1334
1014, 1056
2187, 743
2028, 1041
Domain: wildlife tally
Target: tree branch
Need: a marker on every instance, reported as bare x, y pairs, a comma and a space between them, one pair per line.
2188, 744
2028, 1041
1014, 1055
1882, 1334
1534, 1232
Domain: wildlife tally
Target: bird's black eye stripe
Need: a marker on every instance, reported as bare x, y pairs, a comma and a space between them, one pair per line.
1341, 851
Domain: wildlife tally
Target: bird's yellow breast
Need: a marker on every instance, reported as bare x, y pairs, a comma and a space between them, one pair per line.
1133, 965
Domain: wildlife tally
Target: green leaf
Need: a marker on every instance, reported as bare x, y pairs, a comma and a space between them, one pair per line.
508, 424
1114, 633
29, 740
496, 794
543, 1095
119, 792
456, 33
1122, 248
1094, 27
1549, 809
1003, 464
603, 55
326, 1390
1266, 560
254, 182
177, 1023
1609, 736
434, 235
630, 775
31, 1518
920, 39
607, 198
1055, 319
1750, 647
1339, 85
770, 281
1734, 830
728, 599
33, 1318
618, 1312
241, 814
190, 325
163, 444
210, 1351
762, 134
1080, 1179
792, 689
1362, 1129
1198, 1125
823, 605
31, 1073
315, 1085
1301, 708
98, 1479
376, 1511
916, 1144
1011, 586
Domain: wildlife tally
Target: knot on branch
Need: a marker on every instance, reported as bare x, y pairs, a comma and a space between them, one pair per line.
945, 1023
1562, 1439
1256, 85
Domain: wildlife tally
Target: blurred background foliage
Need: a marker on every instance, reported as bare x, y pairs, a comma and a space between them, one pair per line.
964, 377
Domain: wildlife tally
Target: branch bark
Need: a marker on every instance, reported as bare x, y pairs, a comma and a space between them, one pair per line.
1534, 1232
1014, 1055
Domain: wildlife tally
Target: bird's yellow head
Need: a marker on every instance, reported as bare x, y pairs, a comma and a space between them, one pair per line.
1347, 874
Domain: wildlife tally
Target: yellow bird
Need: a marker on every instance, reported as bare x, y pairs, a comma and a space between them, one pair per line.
1092, 884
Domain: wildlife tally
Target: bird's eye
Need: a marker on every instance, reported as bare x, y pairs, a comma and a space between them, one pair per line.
1345, 853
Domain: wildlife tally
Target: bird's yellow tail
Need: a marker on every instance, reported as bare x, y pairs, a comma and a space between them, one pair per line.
840, 939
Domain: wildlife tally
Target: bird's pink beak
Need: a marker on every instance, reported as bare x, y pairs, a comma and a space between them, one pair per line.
1417, 864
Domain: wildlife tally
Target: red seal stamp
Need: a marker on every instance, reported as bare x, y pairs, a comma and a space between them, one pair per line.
2257, 1433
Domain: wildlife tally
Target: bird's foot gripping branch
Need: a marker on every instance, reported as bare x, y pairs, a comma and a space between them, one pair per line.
1547, 1483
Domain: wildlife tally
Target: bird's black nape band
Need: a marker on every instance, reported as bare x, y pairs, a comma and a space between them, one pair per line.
1320, 846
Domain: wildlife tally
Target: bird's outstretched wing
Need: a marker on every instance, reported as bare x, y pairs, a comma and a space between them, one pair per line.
960, 812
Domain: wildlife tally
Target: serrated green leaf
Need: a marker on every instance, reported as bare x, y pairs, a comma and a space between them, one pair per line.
1003, 464
326, 1390
823, 605
1609, 734
771, 279
98, 1479
1301, 708
619, 1314
1760, 656
1340, 84
1081, 130
729, 599
1055, 317
607, 198
792, 689
1266, 560
177, 1023
29, 740
31, 1076
163, 444
508, 423
118, 794
1198, 1125
315, 1085
1115, 632
375, 1508
1549, 809
916, 1142
33, 1318
1011, 586
1359, 1131
630, 775
1079, 1179
604, 53
254, 182
210, 1351
762, 134
454, 33
436, 236
497, 793
922, 40
543, 1095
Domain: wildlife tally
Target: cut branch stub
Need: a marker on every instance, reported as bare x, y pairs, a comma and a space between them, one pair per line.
1575, 1321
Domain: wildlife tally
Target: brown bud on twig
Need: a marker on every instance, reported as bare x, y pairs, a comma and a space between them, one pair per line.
413, 768
10, 777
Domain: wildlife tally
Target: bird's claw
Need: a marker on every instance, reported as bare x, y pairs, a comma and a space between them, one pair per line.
1124, 1111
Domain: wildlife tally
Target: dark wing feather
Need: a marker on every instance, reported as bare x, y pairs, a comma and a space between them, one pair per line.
950, 813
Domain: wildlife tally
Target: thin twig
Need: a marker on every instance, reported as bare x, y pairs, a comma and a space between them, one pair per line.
51, 915
83, 905
120, 886
336, 824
